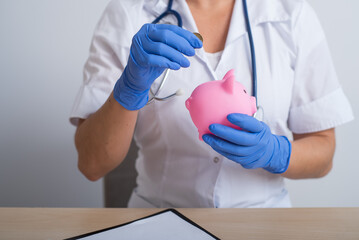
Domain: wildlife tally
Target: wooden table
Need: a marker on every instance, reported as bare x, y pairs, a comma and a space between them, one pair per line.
294, 223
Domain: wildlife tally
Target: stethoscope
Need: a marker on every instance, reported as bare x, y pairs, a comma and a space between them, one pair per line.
170, 11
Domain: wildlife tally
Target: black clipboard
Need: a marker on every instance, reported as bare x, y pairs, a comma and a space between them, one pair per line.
150, 216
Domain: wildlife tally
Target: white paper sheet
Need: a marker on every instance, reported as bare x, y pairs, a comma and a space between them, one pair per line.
164, 226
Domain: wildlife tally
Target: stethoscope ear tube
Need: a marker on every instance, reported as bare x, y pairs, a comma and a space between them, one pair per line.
154, 94
253, 54
169, 11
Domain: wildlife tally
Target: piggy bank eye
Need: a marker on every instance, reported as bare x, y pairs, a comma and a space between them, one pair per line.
244, 90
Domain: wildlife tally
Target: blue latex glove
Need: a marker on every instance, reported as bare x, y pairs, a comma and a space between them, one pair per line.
154, 48
253, 147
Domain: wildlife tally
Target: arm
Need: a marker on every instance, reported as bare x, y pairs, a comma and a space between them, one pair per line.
104, 138
102, 141
312, 155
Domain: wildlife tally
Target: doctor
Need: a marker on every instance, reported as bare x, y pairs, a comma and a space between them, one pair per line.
297, 88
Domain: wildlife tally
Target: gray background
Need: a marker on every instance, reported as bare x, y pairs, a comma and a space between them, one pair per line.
43, 47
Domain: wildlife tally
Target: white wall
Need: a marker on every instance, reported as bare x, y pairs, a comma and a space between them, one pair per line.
43, 47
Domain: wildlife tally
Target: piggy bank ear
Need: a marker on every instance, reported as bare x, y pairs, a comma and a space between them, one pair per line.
228, 82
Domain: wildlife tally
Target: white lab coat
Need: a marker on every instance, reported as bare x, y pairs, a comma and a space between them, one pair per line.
297, 88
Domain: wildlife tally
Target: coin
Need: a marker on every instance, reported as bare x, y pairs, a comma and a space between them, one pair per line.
199, 36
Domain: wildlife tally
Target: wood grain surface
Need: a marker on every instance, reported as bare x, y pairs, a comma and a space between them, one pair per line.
292, 223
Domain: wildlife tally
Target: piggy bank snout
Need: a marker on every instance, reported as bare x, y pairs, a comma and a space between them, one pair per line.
253, 104
188, 103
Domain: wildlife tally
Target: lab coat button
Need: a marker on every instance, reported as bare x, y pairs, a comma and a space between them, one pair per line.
216, 160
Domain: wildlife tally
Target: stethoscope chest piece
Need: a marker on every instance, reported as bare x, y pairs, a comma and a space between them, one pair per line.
259, 115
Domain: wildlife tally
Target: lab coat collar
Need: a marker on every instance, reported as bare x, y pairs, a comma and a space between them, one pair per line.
260, 11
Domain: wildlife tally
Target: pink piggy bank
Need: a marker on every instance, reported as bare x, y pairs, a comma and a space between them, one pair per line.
211, 102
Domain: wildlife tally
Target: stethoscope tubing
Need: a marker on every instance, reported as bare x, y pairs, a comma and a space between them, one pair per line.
253, 54
164, 79
170, 11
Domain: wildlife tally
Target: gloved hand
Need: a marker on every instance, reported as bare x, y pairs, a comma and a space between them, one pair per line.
154, 48
253, 147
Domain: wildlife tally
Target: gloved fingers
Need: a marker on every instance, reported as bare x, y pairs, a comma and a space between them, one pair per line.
161, 49
219, 144
245, 122
255, 160
159, 61
248, 162
172, 40
234, 135
190, 37
144, 59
